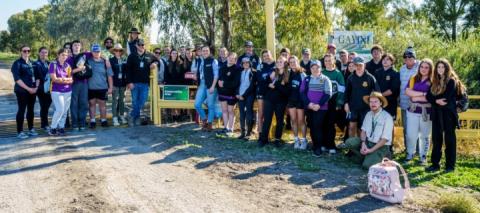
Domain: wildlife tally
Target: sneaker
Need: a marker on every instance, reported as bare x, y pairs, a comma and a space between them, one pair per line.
32, 132
432, 169
242, 136
296, 144
332, 151
76, 129
131, 122
138, 122
209, 127
303, 144
104, 123
22, 135
61, 132
81, 128
123, 120
324, 149
317, 153
52, 132
408, 159
423, 161
115, 121
448, 170
93, 125
46, 128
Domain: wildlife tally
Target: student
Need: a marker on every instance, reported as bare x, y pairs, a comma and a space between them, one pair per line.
376, 63
138, 79
264, 70
41, 71
100, 85
306, 60
250, 54
295, 104
408, 69
358, 85
207, 77
107, 51
174, 72
376, 137
26, 87
157, 52
388, 80
442, 95
79, 97
222, 57
351, 56
275, 101
228, 83
119, 85
61, 90
418, 114
246, 97
133, 38
335, 104
332, 49
349, 71
315, 90
285, 52
187, 64
166, 54
344, 59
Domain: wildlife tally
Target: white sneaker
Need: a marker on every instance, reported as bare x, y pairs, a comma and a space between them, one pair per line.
332, 151
297, 143
324, 149
303, 144
123, 119
115, 121
32, 132
22, 135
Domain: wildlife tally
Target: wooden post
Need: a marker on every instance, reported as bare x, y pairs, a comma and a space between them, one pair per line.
270, 24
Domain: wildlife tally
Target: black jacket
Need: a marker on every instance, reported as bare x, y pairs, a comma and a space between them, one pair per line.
41, 71
231, 80
280, 93
119, 72
389, 80
294, 83
174, 74
137, 73
21, 70
262, 76
450, 95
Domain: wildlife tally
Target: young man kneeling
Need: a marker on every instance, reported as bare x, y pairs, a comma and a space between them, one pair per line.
376, 137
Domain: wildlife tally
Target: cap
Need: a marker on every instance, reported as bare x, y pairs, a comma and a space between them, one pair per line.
246, 59
141, 41
306, 51
410, 53
248, 44
96, 48
358, 60
316, 62
331, 46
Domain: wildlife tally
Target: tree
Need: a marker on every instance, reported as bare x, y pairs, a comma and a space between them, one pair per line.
445, 15
5, 44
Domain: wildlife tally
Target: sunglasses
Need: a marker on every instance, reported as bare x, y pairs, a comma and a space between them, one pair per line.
26, 51
157, 53
141, 45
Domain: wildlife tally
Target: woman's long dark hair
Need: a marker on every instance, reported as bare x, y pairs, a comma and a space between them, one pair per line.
174, 64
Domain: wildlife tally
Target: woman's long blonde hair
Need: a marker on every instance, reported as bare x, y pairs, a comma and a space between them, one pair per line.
286, 76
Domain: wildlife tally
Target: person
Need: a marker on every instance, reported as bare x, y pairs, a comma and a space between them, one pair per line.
222, 57
207, 77
166, 54
250, 54
351, 56
418, 115
79, 96
285, 52
133, 38
246, 97
107, 52
118, 64
61, 90
407, 71
175, 74
358, 85
388, 80
306, 60
315, 91
40, 68
264, 70
295, 104
187, 64
376, 63
26, 87
442, 96
138, 79
332, 49
100, 85
334, 105
69, 46
228, 84
377, 133
157, 52
275, 101
344, 59
349, 71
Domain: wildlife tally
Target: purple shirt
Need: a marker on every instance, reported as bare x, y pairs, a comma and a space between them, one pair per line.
317, 88
421, 86
60, 71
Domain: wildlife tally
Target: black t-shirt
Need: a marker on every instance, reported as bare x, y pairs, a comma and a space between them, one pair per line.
231, 80
389, 80
138, 68
372, 68
174, 74
306, 67
357, 87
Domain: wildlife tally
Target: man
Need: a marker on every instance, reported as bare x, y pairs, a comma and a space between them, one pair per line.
285, 52
408, 69
207, 77
332, 49
138, 79
306, 60
388, 80
79, 100
222, 57
40, 68
376, 62
344, 60
107, 51
250, 54
160, 64
351, 56
377, 133
166, 54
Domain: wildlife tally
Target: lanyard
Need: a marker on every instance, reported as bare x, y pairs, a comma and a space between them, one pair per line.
374, 123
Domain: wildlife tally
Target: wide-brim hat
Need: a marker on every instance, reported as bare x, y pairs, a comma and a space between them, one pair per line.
378, 95
118, 47
134, 30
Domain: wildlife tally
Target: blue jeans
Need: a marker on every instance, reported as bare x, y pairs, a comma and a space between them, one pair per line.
139, 97
202, 94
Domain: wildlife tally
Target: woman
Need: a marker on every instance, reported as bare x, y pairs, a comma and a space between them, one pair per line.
100, 85
61, 90
442, 95
275, 101
26, 86
187, 65
41, 71
295, 104
418, 114
133, 37
246, 97
335, 104
315, 90
174, 72
349, 71
228, 83
119, 85
263, 72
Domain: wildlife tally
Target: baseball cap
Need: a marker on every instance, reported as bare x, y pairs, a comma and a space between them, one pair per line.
358, 60
316, 62
96, 48
306, 51
248, 44
410, 53
331, 46
140, 42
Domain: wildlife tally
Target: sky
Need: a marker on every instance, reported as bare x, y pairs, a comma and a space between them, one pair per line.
10, 7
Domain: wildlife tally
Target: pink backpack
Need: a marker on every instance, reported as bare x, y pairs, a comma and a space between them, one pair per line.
384, 181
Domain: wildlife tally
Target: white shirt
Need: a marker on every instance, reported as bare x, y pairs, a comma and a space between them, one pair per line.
378, 126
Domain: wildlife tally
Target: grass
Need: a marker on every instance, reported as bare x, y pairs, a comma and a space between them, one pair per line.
457, 203
7, 58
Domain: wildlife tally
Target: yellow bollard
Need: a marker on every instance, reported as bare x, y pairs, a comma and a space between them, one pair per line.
270, 24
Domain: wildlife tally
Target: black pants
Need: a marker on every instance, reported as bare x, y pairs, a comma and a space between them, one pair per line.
45, 102
329, 132
443, 130
25, 101
317, 120
268, 109
246, 113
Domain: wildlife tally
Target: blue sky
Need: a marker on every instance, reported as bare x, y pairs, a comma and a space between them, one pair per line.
10, 7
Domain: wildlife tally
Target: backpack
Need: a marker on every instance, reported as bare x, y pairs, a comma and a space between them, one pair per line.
85, 74
384, 181
47, 85
462, 99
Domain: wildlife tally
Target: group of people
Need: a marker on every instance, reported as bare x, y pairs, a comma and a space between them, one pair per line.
340, 90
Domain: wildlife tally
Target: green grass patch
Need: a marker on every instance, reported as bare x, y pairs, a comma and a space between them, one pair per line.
457, 203
8, 58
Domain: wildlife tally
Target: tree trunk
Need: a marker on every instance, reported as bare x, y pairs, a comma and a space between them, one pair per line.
227, 25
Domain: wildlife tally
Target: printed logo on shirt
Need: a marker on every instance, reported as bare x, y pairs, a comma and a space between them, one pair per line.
365, 84
387, 78
208, 65
228, 73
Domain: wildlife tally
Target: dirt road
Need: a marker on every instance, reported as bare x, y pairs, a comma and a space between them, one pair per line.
151, 169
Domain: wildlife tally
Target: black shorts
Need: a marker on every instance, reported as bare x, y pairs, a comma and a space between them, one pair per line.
231, 100
358, 116
295, 104
101, 94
